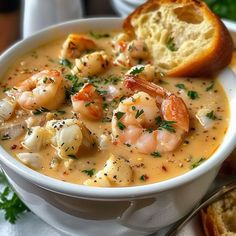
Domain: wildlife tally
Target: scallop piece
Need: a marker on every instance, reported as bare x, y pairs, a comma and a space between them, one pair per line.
69, 140
69, 135
99, 180
7, 108
118, 171
203, 119
33, 160
13, 131
91, 64
36, 138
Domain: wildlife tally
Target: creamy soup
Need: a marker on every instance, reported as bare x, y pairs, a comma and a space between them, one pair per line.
79, 122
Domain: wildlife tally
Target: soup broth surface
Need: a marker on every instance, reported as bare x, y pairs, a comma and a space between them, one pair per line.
195, 148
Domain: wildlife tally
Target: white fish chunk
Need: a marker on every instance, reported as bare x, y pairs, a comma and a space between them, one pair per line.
13, 131
32, 160
7, 108
118, 171
68, 136
36, 138
68, 141
203, 119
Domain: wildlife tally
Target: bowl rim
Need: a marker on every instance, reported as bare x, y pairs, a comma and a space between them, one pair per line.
103, 193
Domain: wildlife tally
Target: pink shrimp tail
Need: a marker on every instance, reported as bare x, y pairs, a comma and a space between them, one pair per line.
137, 84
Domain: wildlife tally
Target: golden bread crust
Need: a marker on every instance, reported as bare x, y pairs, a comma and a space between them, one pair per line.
205, 63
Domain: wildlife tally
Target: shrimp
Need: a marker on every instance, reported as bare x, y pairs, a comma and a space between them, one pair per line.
153, 120
130, 53
88, 102
91, 64
75, 44
44, 89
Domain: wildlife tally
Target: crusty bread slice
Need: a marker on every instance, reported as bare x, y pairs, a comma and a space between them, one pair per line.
184, 37
219, 219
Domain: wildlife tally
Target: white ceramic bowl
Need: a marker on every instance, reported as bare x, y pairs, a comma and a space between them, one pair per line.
82, 210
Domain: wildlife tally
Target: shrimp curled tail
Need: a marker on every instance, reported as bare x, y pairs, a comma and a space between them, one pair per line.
88, 102
43, 89
173, 107
151, 120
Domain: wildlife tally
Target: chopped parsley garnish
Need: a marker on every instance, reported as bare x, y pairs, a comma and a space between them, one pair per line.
45, 80
99, 36
40, 111
143, 177
180, 86
72, 156
6, 89
171, 45
139, 113
198, 163
165, 124
149, 130
76, 84
112, 79
211, 86
211, 115
137, 70
193, 94
90, 172
102, 92
65, 62
121, 125
10, 204
156, 154
119, 115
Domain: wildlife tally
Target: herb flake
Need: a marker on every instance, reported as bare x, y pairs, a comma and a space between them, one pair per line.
90, 172
119, 115
198, 163
170, 44
137, 70
165, 124
139, 113
181, 86
211, 115
156, 154
99, 36
65, 62
193, 95
211, 86
143, 177
121, 126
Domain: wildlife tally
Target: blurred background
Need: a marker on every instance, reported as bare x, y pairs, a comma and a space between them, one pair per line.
21, 18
